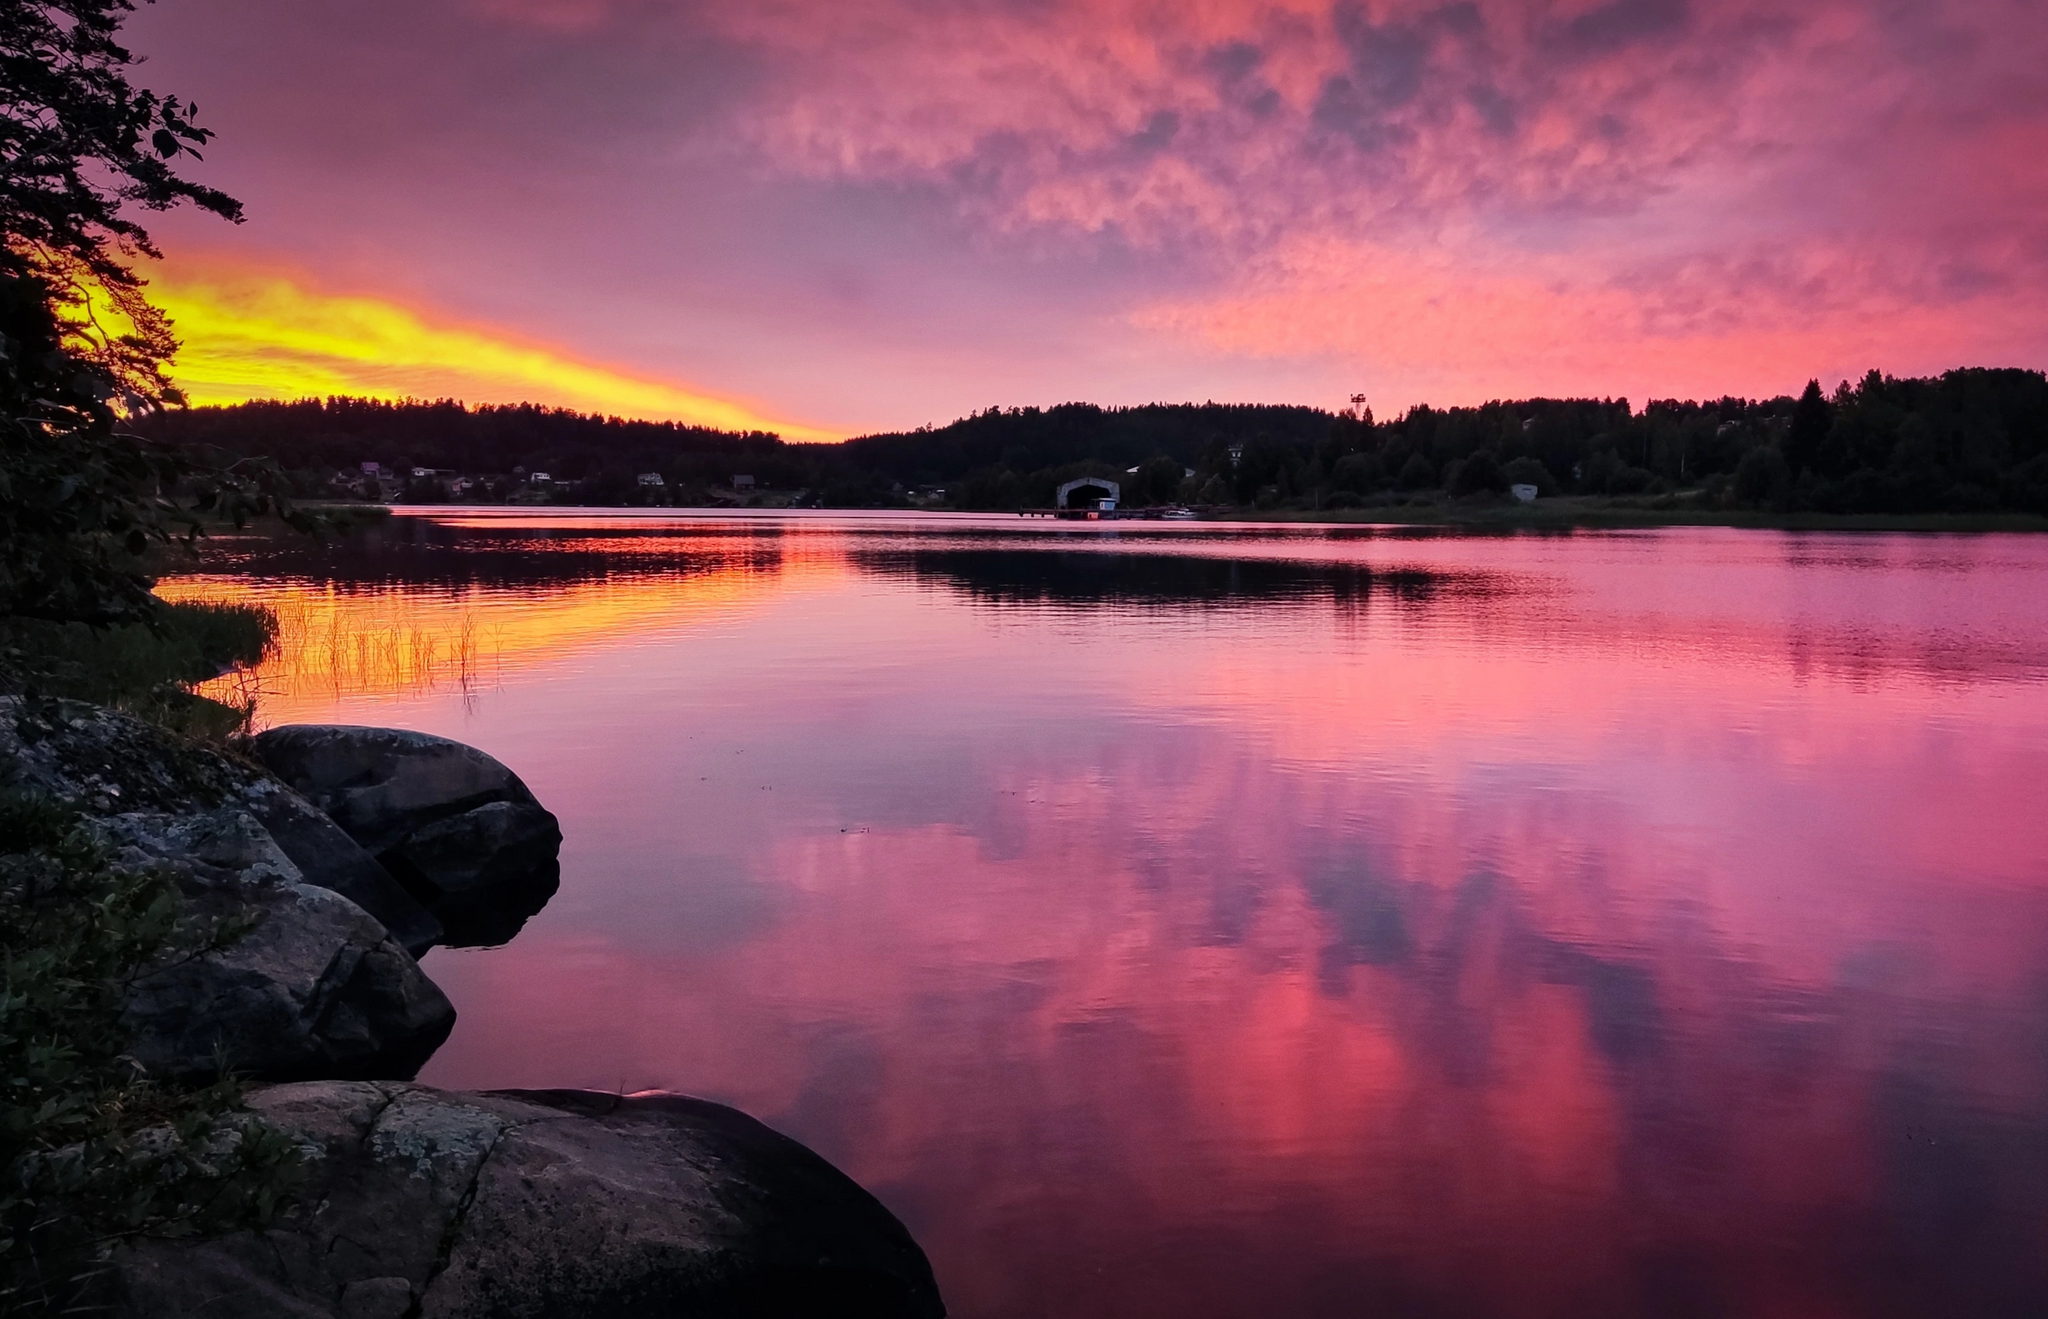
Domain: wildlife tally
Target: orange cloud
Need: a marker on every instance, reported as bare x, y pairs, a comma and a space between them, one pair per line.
252, 333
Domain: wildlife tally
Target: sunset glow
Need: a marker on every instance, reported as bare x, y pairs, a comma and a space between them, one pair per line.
250, 334
886, 213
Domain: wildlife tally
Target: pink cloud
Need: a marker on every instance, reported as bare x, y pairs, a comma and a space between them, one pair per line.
892, 211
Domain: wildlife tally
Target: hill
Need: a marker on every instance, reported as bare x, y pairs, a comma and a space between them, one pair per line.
1973, 440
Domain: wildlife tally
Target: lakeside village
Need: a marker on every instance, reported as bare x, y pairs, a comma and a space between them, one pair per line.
1089, 497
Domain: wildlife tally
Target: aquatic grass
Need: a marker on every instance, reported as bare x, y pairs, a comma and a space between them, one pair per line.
150, 669
353, 645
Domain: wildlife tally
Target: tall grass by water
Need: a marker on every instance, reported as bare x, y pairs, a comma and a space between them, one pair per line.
154, 669
335, 645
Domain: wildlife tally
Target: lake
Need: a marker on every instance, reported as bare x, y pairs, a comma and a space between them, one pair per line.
1218, 920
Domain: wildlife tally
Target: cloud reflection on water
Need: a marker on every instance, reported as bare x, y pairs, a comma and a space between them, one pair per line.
1624, 925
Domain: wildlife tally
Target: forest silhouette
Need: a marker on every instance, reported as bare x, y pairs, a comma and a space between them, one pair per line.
1968, 441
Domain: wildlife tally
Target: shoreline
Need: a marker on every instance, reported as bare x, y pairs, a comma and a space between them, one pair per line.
1552, 515
1562, 517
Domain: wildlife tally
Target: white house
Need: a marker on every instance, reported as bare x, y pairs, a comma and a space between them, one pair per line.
743, 483
540, 478
1524, 493
649, 478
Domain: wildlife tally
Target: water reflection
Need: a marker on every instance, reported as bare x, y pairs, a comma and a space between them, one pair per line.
1134, 577
1618, 925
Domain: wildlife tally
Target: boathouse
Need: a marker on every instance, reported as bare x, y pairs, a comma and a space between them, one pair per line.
1105, 501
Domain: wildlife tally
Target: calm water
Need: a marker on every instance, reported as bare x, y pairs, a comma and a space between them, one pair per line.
1191, 923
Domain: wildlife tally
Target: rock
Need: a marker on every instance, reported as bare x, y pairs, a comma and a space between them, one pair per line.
318, 986
103, 763
529, 1205
456, 827
329, 858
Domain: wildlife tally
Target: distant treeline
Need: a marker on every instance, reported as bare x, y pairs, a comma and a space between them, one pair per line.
1969, 441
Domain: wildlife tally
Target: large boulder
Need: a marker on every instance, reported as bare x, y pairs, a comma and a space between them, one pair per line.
317, 985
102, 762
315, 988
532, 1205
458, 829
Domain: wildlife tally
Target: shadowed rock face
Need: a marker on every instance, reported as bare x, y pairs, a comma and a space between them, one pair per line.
105, 763
318, 987
530, 1205
456, 827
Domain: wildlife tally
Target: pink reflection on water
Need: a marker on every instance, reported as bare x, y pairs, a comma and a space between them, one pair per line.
1656, 921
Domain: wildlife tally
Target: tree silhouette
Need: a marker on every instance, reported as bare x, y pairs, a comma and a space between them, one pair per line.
1811, 420
81, 348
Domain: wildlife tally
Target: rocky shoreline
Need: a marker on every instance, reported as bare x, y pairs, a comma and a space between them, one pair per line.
353, 851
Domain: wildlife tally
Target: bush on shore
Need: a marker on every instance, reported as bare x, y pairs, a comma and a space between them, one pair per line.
92, 1151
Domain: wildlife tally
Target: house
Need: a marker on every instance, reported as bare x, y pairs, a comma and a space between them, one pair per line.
540, 478
652, 479
423, 472
1524, 493
743, 483
1236, 454
373, 469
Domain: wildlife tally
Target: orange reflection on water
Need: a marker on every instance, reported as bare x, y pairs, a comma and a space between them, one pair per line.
380, 641
1619, 926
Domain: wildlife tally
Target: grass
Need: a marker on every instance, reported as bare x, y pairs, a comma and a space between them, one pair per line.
145, 669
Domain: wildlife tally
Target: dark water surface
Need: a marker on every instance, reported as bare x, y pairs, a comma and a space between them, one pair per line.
1194, 922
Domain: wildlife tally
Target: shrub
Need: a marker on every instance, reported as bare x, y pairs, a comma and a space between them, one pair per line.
1529, 471
1762, 477
1417, 473
92, 1151
1359, 473
143, 668
1479, 472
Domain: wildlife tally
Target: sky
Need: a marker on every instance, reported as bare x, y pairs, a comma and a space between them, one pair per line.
830, 217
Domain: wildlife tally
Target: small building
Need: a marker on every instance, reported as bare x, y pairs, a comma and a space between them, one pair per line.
649, 479
1236, 454
743, 483
373, 469
1525, 493
539, 478
1105, 501
426, 471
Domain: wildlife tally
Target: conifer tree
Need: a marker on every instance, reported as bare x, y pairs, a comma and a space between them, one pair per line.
1812, 418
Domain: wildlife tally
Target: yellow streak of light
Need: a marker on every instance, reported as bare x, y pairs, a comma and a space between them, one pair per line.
254, 335
390, 642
